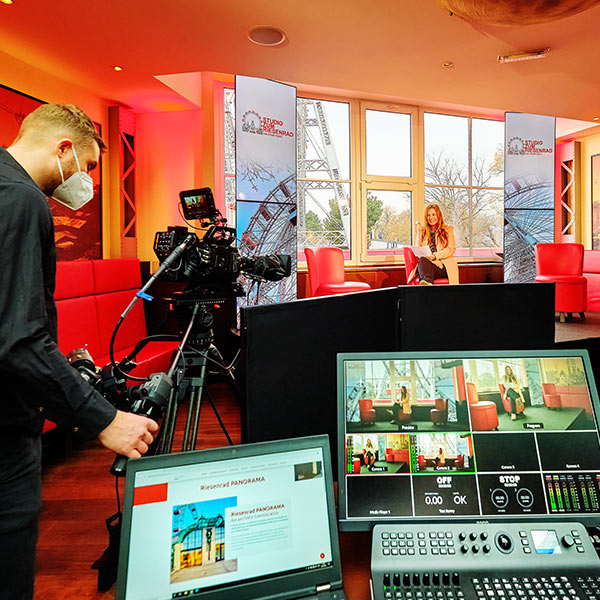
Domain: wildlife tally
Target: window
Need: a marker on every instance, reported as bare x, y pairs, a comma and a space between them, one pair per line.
464, 174
324, 181
366, 202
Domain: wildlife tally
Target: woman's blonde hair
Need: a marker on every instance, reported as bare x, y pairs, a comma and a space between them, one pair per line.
441, 228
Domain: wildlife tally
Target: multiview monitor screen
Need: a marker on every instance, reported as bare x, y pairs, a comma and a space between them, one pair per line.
467, 436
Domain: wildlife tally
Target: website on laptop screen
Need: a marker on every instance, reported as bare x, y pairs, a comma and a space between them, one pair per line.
459, 437
199, 526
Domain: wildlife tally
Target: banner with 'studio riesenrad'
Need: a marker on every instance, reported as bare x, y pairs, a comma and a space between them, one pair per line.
265, 158
528, 191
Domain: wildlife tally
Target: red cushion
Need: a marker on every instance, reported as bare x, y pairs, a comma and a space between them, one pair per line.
109, 308
78, 325
74, 278
591, 261
326, 289
567, 279
116, 274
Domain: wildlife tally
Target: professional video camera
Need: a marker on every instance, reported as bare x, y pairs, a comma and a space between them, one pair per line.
212, 264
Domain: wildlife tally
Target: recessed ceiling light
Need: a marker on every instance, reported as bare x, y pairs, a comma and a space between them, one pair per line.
266, 36
6, 1
117, 68
596, 118
519, 56
448, 64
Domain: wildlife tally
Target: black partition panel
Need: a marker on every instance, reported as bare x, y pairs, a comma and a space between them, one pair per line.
290, 348
290, 358
477, 316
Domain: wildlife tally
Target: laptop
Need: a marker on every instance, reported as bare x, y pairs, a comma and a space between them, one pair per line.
249, 521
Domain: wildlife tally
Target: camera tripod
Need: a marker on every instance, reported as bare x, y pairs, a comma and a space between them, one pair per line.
189, 374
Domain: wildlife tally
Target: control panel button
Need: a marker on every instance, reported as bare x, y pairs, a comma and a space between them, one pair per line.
455, 579
464, 548
484, 535
406, 580
396, 579
475, 549
472, 536
462, 536
446, 578
386, 579
426, 579
487, 548
504, 543
568, 540
580, 549
436, 579
416, 580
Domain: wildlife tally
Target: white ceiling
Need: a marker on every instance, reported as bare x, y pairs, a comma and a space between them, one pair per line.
388, 49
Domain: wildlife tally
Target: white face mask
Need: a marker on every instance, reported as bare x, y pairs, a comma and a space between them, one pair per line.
77, 190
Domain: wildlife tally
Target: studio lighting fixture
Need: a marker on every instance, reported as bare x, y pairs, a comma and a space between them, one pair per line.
6, 1
266, 36
117, 68
448, 64
519, 56
596, 118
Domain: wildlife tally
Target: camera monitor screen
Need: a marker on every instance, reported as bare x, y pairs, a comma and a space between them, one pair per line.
228, 523
467, 436
198, 204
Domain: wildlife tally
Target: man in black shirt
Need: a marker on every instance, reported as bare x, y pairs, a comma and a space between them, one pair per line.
53, 153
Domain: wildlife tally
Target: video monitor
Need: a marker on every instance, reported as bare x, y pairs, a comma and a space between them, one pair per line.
467, 435
198, 204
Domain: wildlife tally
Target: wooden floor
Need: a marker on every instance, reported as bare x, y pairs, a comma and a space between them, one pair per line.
78, 495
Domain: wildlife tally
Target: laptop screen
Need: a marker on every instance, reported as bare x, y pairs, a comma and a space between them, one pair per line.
466, 436
223, 520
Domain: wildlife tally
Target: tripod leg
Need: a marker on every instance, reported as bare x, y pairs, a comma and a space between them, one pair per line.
200, 383
188, 421
224, 429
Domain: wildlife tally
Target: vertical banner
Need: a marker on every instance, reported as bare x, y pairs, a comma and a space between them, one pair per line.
265, 136
528, 191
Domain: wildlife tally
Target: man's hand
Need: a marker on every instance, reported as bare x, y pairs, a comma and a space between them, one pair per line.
128, 434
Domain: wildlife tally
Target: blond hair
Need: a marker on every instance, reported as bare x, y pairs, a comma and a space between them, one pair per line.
61, 119
441, 228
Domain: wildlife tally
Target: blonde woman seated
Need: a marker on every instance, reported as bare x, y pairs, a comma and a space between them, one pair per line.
401, 407
439, 236
512, 391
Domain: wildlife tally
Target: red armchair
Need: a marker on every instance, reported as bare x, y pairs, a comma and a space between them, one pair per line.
439, 414
367, 412
562, 264
459, 463
421, 461
327, 275
484, 415
551, 398
410, 263
506, 400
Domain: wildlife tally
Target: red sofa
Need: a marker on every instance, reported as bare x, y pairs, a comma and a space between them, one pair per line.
569, 395
591, 271
396, 455
90, 297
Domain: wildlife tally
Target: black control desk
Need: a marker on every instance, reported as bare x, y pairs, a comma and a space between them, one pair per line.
529, 560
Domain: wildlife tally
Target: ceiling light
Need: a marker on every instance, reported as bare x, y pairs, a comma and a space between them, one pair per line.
116, 67
519, 56
596, 118
448, 64
6, 1
266, 36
